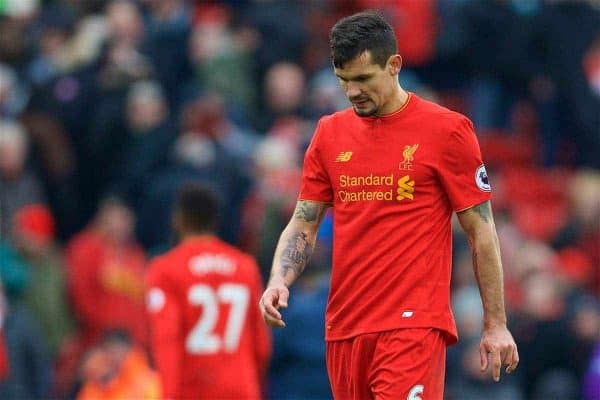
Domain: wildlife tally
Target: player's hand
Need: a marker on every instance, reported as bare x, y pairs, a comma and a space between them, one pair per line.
498, 348
274, 298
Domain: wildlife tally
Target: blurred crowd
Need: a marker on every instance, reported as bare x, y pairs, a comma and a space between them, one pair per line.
108, 106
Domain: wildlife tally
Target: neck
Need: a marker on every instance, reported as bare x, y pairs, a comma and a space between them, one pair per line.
205, 235
397, 101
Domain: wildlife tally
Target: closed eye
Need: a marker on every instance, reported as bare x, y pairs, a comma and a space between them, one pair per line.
358, 78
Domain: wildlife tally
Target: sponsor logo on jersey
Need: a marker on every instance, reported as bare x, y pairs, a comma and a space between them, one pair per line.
409, 156
481, 179
406, 188
375, 187
344, 156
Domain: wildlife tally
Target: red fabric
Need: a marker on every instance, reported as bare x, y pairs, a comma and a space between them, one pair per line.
106, 286
35, 221
398, 364
392, 253
208, 337
4, 370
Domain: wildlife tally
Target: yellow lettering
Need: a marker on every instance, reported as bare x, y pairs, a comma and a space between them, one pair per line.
389, 195
389, 180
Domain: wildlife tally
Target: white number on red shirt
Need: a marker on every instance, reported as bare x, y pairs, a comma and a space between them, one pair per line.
202, 339
415, 392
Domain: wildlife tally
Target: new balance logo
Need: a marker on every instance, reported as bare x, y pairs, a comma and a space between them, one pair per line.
406, 188
344, 156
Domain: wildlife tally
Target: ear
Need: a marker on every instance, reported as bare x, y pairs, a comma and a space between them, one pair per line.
395, 64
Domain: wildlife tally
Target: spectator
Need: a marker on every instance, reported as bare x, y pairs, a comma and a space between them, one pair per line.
149, 131
269, 203
12, 96
55, 29
166, 44
221, 57
582, 230
118, 369
282, 32
29, 368
563, 60
45, 294
19, 185
55, 160
284, 89
197, 155
208, 115
105, 275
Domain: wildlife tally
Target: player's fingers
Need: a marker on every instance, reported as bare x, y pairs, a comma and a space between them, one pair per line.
274, 322
267, 304
483, 357
270, 313
514, 361
496, 364
283, 298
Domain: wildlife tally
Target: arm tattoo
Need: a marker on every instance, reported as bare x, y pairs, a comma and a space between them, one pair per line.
484, 210
310, 211
306, 211
296, 254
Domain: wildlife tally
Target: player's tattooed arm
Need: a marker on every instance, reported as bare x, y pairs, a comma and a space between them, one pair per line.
497, 346
297, 241
484, 210
478, 224
310, 211
296, 254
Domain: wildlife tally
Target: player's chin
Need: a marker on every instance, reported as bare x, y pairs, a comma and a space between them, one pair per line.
365, 111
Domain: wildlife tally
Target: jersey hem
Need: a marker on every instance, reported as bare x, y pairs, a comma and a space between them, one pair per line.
450, 335
474, 204
315, 200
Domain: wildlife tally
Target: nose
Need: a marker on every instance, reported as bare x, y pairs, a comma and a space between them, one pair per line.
352, 91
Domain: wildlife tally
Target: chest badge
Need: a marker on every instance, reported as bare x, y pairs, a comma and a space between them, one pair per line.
409, 156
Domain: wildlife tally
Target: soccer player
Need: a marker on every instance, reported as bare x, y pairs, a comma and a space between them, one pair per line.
394, 167
208, 337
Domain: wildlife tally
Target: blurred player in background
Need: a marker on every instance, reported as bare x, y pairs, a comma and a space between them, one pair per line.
394, 167
208, 337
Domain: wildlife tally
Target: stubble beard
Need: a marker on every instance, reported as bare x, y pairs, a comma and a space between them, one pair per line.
366, 113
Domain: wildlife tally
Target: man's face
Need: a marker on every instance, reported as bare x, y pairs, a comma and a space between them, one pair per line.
368, 86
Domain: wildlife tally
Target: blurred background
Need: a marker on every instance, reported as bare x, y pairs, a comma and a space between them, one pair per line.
106, 107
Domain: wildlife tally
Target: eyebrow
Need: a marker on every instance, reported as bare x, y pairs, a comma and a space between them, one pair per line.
355, 78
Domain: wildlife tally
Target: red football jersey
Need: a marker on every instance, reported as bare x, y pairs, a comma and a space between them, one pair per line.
394, 182
208, 337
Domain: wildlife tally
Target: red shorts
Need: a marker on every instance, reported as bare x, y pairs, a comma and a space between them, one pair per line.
400, 364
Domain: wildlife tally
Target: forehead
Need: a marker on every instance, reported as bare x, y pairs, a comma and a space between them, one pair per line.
362, 64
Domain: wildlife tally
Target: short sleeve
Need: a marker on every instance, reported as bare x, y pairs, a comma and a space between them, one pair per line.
316, 184
461, 169
164, 317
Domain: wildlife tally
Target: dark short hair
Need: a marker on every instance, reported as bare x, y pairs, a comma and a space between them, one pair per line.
365, 31
198, 206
